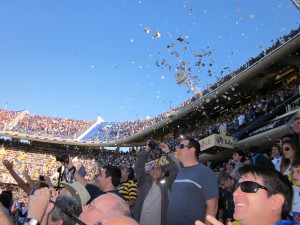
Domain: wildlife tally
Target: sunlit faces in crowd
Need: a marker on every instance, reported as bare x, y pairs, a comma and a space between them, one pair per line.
156, 172
101, 179
183, 150
104, 207
121, 220
263, 196
250, 205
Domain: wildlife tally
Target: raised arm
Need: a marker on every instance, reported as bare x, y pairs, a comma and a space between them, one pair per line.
139, 168
211, 209
174, 164
74, 172
28, 179
9, 166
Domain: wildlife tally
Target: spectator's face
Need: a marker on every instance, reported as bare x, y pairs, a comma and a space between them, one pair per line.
275, 152
297, 126
225, 184
156, 172
125, 173
236, 157
296, 175
229, 168
185, 152
251, 206
288, 151
93, 212
101, 179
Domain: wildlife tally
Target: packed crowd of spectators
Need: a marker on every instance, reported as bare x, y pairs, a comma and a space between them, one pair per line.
53, 127
49, 126
46, 164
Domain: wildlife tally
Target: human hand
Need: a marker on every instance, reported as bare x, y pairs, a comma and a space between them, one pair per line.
8, 165
48, 181
164, 147
68, 165
38, 203
147, 147
25, 173
53, 197
211, 220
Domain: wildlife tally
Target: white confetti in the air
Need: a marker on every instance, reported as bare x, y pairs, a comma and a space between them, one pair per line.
147, 30
156, 35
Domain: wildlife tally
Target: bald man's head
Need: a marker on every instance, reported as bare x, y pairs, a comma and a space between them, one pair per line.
120, 220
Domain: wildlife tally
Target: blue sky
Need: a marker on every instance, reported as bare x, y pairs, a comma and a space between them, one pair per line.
77, 59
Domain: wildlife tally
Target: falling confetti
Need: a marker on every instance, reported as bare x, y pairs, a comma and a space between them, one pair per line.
156, 35
147, 30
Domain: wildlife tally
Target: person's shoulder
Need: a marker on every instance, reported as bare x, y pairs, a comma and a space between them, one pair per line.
117, 192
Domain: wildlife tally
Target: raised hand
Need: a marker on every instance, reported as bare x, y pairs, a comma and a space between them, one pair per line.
8, 165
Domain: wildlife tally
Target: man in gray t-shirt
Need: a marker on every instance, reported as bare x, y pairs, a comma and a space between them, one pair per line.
195, 191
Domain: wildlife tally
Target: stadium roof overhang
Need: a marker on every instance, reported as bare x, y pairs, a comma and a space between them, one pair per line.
282, 62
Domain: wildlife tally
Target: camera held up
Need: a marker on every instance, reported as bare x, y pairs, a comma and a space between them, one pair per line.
62, 157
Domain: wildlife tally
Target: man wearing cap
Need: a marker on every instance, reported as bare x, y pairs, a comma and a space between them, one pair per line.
77, 191
106, 180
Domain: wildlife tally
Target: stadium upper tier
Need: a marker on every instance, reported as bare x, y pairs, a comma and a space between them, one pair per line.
223, 104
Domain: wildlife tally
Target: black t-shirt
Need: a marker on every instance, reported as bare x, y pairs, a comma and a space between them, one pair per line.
95, 192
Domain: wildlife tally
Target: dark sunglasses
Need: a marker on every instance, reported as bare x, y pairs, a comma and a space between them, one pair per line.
250, 186
286, 149
182, 146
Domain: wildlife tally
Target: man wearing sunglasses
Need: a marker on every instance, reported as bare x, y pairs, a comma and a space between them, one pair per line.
195, 191
264, 197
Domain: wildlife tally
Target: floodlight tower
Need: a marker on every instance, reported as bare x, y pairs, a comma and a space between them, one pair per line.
296, 3
182, 78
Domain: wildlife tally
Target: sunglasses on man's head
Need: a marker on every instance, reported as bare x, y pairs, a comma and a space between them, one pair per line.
251, 187
182, 146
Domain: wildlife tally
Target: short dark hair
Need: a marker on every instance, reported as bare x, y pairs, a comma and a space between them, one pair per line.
240, 153
69, 204
290, 136
296, 163
114, 172
193, 143
277, 146
275, 182
130, 170
223, 176
254, 149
